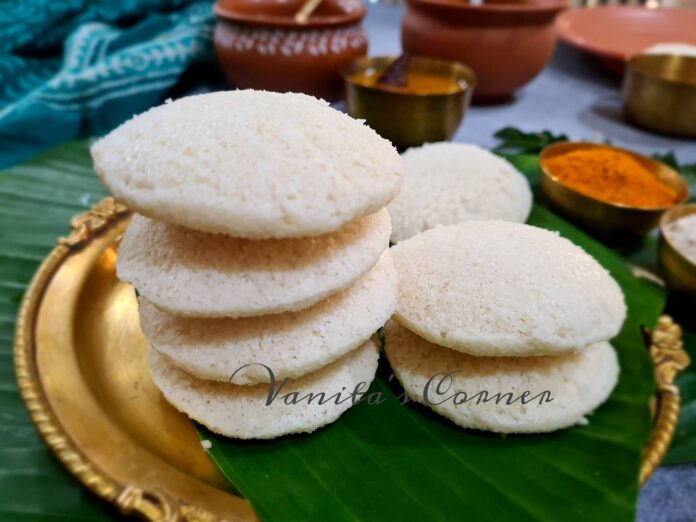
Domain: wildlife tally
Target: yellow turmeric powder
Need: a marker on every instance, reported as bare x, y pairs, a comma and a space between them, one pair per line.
610, 175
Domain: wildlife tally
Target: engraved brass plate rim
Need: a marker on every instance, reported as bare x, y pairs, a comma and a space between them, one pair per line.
175, 496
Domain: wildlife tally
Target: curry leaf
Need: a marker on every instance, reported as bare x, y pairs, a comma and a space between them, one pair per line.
515, 141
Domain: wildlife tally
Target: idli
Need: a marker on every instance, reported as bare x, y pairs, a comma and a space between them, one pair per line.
502, 394
292, 343
447, 183
493, 288
190, 273
265, 411
249, 164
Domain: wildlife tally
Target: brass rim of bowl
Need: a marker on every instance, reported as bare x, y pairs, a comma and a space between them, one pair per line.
362, 64
637, 65
673, 214
573, 145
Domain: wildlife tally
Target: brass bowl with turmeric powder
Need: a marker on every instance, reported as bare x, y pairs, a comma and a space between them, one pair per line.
613, 193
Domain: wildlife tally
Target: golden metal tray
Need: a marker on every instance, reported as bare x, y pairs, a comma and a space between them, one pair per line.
109, 425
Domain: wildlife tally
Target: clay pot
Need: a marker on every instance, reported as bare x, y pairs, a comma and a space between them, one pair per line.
506, 43
259, 45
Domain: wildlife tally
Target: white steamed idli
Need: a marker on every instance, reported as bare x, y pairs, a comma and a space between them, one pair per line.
196, 274
292, 344
242, 411
502, 394
447, 183
493, 288
249, 164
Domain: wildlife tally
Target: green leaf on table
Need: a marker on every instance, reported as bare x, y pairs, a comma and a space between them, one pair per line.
683, 447
37, 201
515, 141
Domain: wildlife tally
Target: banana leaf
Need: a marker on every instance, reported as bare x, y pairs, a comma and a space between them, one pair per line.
388, 461
37, 201
399, 461
683, 448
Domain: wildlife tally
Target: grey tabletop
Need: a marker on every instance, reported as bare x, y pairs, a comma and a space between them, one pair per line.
575, 96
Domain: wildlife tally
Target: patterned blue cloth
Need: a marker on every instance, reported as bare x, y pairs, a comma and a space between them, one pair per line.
74, 68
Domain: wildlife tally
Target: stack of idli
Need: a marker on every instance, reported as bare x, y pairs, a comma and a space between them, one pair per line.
503, 326
447, 183
259, 252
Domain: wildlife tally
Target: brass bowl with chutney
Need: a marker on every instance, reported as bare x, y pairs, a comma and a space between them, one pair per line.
429, 108
677, 270
612, 222
659, 93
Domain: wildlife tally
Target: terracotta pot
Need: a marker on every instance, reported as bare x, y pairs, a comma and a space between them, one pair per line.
505, 43
259, 45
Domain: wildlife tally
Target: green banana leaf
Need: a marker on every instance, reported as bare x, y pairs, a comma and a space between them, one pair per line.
683, 448
398, 461
402, 461
37, 201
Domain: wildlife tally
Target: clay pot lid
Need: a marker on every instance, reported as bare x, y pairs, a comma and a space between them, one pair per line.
502, 6
281, 13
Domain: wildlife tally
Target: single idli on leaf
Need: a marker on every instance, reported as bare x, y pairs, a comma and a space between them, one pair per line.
493, 288
249, 164
300, 406
502, 394
197, 274
447, 183
292, 343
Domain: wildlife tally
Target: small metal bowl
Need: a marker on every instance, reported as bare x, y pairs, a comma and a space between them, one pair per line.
659, 93
409, 120
613, 222
679, 273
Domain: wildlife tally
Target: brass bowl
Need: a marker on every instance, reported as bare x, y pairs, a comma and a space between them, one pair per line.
679, 273
659, 93
613, 222
409, 120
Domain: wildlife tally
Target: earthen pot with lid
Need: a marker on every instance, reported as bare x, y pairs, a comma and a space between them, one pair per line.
506, 42
259, 44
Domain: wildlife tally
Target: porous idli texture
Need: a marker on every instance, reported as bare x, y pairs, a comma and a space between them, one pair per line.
494, 288
502, 394
197, 274
244, 412
249, 164
292, 343
447, 183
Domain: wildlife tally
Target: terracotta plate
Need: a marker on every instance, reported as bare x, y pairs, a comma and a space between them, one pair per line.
615, 33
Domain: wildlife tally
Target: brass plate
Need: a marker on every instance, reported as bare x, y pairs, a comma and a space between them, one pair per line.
79, 359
